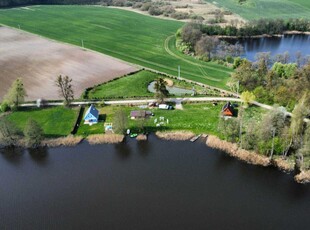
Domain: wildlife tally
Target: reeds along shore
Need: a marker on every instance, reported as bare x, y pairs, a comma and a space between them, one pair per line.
303, 177
233, 150
175, 135
105, 139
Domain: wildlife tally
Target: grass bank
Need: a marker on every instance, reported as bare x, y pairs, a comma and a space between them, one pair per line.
129, 36
255, 9
55, 121
135, 86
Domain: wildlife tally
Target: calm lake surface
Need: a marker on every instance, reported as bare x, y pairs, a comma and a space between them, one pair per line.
276, 45
146, 185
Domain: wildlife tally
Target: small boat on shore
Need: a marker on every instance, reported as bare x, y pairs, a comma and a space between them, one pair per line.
195, 138
133, 135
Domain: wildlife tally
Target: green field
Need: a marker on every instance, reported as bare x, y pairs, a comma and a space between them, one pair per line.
134, 86
135, 38
255, 9
55, 122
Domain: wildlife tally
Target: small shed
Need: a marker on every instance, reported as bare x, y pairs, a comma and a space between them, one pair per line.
137, 114
228, 110
91, 115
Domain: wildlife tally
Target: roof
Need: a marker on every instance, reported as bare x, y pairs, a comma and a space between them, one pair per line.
227, 106
91, 112
140, 113
228, 109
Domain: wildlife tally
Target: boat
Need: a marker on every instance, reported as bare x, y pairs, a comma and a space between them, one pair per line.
193, 139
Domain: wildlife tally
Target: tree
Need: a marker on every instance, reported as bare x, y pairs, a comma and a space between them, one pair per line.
120, 122
16, 93
191, 33
206, 46
161, 90
33, 133
9, 133
65, 88
247, 97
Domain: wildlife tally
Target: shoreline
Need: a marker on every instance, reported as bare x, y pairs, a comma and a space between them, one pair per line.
231, 149
290, 32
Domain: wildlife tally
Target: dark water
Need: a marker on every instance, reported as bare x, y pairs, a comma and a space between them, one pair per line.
147, 185
277, 45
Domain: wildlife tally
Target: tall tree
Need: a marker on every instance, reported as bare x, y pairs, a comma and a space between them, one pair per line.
161, 90
65, 89
120, 122
16, 93
33, 133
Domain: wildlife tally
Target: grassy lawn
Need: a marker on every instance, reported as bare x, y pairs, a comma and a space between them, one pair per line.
134, 85
199, 118
56, 121
135, 38
255, 9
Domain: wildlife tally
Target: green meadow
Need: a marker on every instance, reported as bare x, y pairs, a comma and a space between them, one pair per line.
132, 37
55, 121
255, 9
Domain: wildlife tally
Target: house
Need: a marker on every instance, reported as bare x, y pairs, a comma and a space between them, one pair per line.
137, 114
91, 115
228, 110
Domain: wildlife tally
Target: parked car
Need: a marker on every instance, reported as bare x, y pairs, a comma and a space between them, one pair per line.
165, 106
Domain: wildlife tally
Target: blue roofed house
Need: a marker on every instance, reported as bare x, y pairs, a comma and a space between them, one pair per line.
91, 115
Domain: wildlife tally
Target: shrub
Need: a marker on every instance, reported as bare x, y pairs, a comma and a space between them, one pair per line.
4, 107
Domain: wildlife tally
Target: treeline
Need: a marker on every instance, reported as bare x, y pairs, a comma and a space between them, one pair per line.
255, 28
11, 3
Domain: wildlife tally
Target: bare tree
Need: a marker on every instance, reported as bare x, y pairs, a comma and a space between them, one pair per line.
65, 88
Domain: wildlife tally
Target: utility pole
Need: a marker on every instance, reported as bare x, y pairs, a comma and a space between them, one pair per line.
82, 43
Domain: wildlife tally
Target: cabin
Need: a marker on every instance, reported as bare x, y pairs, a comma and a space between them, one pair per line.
91, 115
138, 114
228, 110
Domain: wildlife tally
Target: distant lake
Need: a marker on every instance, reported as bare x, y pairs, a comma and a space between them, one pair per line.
276, 45
153, 185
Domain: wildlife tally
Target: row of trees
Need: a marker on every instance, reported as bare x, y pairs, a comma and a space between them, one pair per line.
257, 27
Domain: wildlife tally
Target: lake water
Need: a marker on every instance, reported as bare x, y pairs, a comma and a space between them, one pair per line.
146, 185
276, 45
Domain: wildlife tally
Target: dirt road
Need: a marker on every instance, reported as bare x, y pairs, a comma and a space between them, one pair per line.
38, 61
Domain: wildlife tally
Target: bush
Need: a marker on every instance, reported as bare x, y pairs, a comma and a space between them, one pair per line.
180, 15
4, 107
154, 10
